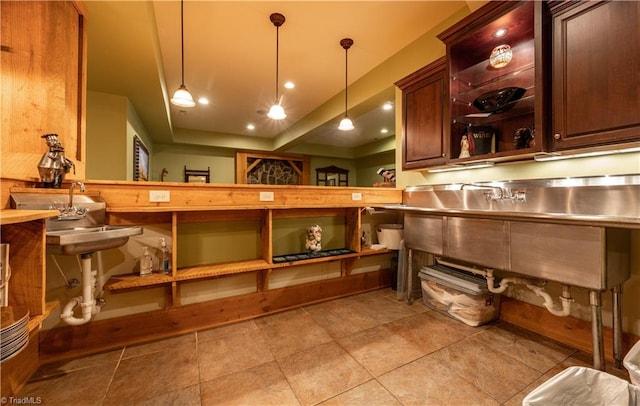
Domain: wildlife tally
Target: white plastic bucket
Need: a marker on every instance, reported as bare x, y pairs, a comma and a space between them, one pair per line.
390, 235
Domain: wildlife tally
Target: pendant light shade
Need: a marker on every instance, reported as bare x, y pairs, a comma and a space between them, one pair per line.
346, 124
276, 112
182, 97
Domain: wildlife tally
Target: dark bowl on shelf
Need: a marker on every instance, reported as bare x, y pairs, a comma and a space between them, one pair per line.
499, 101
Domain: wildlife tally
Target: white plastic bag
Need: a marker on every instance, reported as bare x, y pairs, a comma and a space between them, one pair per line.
632, 363
581, 386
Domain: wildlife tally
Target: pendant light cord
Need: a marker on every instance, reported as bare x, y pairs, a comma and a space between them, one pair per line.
346, 87
277, 58
182, 36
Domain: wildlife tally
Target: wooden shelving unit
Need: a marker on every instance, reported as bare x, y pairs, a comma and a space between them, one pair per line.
134, 281
262, 218
25, 232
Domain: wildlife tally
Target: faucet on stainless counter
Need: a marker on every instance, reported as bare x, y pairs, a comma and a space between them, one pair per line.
498, 193
72, 212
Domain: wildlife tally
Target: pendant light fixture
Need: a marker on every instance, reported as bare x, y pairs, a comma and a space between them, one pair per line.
276, 112
182, 97
345, 123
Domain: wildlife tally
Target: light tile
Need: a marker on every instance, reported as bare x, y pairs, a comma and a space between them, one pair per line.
430, 381
322, 372
339, 318
380, 350
368, 394
297, 333
431, 331
380, 308
531, 349
232, 353
244, 327
261, 385
151, 375
90, 361
183, 341
278, 318
84, 387
188, 397
496, 374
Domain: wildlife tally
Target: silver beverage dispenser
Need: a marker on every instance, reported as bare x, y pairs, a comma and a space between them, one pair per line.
54, 165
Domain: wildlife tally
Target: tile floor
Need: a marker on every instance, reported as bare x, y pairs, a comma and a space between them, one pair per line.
368, 349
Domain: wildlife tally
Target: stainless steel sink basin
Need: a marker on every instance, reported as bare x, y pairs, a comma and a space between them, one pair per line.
83, 240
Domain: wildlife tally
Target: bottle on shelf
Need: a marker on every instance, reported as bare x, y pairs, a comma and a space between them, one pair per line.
146, 263
164, 264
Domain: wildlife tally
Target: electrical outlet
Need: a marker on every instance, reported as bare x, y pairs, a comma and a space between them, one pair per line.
267, 197
159, 196
356, 196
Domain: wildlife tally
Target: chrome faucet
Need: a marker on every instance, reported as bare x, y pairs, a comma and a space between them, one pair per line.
72, 212
73, 185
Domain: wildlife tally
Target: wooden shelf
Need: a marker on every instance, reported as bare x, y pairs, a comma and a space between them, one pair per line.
11, 216
134, 281
36, 321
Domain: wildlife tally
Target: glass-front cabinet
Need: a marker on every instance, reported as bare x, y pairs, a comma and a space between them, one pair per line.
495, 74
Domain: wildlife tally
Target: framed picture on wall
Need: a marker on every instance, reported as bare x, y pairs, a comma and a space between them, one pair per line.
140, 160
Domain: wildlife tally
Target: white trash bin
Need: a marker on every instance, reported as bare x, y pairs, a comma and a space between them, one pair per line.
632, 363
581, 386
390, 235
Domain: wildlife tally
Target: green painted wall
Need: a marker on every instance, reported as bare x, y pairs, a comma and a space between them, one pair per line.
106, 136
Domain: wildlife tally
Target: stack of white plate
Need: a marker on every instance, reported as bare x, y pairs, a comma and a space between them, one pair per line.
14, 332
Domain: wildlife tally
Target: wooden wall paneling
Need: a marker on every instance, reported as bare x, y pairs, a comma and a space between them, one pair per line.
174, 245
27, 252
353, 220
128, 219
43, 91
266, 236
262, 280
17, 370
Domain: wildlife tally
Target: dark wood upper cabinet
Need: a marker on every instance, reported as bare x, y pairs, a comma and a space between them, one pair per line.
423, 117
596, 74
497, 110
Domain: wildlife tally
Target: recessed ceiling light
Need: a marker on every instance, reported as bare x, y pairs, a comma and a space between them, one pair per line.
251, 126
501, 32
203, 100
289, 84
384, 131
387, 106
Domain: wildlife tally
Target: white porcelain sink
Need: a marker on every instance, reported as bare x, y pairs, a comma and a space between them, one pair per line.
83, 240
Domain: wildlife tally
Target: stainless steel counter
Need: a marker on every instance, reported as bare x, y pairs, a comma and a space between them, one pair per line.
607, 201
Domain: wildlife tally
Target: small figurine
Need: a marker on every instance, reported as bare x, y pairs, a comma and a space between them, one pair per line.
313, 243
464, 147
524, 138
389, 175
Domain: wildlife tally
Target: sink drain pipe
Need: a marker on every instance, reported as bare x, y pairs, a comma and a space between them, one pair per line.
86, 302
565, 299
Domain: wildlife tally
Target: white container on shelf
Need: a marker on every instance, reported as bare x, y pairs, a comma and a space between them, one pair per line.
390, 235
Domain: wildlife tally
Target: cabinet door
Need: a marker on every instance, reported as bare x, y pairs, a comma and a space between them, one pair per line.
422, 111
596, 74
43, 83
